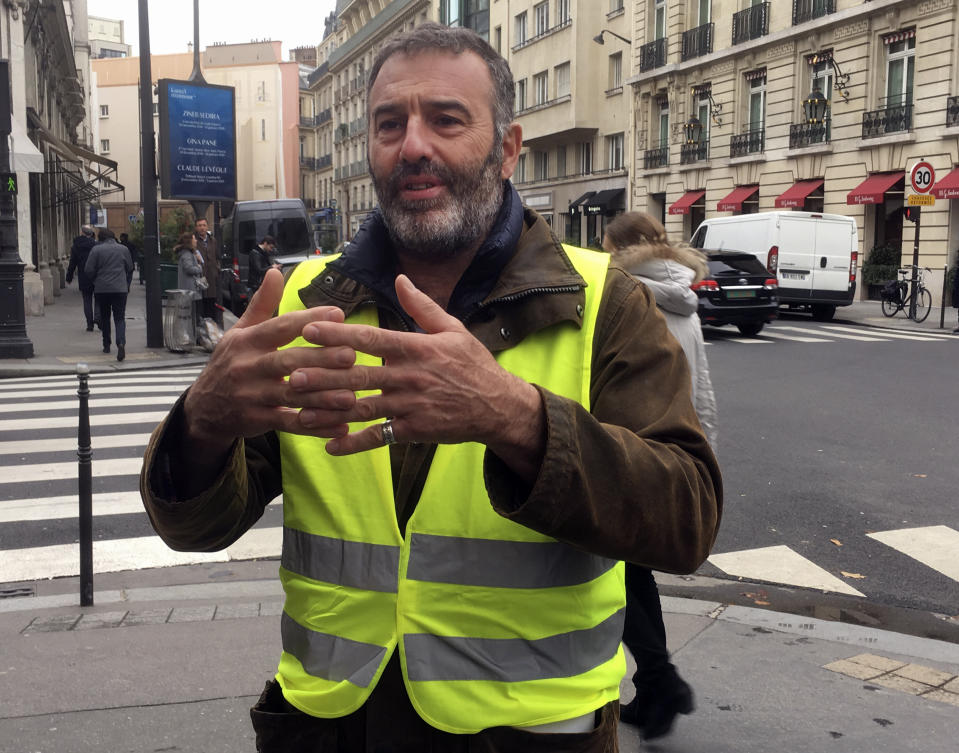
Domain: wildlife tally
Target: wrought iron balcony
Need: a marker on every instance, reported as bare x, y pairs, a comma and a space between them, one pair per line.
306, 121
308, 163
324, 116
696, 152
952, 112
652, 55
325, 161
698, 42
750, 141
889, 119
751, 23
807, 10
807, 134
654, 158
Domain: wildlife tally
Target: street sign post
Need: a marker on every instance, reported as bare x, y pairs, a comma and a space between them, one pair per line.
922, 177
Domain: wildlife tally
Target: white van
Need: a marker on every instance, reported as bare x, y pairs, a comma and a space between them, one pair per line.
813, 255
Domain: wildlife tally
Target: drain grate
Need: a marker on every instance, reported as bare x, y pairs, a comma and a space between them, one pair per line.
12, 593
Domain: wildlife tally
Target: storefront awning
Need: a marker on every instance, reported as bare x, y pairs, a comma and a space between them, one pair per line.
24, 156
873, 189
795, 195
573, 205
948, 187
604, 201
734, 201
682, 205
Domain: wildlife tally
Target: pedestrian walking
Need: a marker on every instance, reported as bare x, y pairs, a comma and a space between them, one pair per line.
135, 254
206, 246
79, 253
459, 461
639, 243
261, 259
190, 275
111, 270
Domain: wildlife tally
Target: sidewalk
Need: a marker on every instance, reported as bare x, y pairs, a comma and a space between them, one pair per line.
172, 659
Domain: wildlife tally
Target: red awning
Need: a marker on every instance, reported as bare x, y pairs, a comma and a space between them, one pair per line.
873, 189
795, 195
734, 201
948, 187
685, 202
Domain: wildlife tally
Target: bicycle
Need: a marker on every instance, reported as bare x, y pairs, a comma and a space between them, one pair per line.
896, 295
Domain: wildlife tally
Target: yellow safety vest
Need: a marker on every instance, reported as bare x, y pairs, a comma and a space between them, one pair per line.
496, 624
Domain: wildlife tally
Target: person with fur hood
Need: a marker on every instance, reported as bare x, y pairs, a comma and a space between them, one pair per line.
639, 244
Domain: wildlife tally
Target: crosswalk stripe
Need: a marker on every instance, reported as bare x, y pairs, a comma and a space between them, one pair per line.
62, 444
67, 506
20, 425
22, 474
130, 377
135, 389
924, 333
797, 338
63, 560
780, 564
807, 331
934, 546
748, 341
106, 402
885, 333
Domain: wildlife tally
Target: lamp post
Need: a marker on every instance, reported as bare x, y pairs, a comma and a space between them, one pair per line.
599, 37
693, 131
814, 106
148, 188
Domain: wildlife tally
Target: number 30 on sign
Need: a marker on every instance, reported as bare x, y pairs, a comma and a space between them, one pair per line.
922, 176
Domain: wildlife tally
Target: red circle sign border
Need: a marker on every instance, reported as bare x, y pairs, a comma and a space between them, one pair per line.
912, 177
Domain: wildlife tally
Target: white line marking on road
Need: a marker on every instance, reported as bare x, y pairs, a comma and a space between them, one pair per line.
23, 474
20, 425
923, 333
132, 389
63, 560
132, 377
68, 506
797, 338
934, 546
808, 331
780, 564
106, 402
748, 341
63, 444
885, 333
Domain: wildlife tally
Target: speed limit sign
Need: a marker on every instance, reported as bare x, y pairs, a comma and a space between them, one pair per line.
922, 176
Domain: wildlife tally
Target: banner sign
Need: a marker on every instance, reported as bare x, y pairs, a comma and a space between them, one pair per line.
197, 141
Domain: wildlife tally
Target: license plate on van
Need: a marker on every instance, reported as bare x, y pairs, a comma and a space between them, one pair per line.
793, 275
740, 293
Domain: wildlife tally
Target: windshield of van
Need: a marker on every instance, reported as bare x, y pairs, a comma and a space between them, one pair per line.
292, 232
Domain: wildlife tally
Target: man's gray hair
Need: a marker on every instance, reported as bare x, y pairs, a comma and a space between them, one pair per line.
456, 40
86, 229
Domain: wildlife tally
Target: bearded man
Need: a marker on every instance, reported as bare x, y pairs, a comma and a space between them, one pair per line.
471, 425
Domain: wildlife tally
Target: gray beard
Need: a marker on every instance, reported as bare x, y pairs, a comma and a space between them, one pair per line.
441, 228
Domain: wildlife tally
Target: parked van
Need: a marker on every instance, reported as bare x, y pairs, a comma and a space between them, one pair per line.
814, 256
285, 219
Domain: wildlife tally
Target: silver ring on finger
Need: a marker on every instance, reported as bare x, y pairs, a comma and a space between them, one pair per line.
386, 430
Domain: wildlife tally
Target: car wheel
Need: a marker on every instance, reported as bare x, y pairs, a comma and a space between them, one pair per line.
823, 312
750, 328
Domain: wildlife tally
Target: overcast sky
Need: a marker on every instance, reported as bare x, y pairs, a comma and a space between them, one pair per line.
296, 23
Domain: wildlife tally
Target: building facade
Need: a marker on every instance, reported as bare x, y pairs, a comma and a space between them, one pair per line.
106, 37
815, 105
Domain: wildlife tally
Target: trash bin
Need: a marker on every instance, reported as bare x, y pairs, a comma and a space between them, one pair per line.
168, 277
179, 325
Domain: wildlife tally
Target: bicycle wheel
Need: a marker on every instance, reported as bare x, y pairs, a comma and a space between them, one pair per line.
923, 304
889, 306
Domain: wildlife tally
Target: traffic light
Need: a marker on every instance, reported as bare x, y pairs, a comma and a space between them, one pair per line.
912, 213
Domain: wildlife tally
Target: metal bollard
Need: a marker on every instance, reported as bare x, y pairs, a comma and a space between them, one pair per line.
85, 488
942, 304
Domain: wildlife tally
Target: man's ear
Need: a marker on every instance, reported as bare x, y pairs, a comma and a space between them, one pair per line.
512, 144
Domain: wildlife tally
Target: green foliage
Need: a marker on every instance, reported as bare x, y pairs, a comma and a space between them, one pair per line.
882, 264
172, 226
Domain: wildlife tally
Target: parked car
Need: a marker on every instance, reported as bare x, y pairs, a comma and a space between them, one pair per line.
246, 225
814, 256
739, 290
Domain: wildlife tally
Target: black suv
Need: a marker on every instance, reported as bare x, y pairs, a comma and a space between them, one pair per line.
737, 291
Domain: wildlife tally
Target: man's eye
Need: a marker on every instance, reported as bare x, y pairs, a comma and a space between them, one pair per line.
447, 121
388, 125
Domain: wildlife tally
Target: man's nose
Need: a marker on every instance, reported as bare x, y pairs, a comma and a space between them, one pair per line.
417, 142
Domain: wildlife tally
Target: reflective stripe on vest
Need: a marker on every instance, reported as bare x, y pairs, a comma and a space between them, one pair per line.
497, 624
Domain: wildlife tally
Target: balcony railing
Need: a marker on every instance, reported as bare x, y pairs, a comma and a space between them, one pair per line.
807, 10
698, 42
325, 161
808, 134
324, 116
888, 119
654, 158
543, 34
952, 112
750, 141
751, 23
690, 153
652, 55
306, 121
308, 163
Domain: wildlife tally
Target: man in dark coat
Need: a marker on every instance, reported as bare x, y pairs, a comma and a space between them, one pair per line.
206, 245
78, 259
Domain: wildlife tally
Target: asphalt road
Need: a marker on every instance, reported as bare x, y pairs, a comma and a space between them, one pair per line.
822, 443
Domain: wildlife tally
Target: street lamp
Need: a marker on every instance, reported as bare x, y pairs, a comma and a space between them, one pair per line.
814, 106
599, 37
693, 130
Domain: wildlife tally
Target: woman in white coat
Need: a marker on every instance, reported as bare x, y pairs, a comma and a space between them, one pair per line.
638, 243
